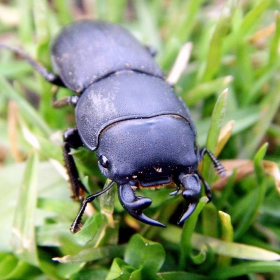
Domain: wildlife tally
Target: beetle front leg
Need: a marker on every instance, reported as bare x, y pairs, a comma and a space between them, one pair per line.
72, 140
178, 187
191, 193
76, 225
207, 188
134, 205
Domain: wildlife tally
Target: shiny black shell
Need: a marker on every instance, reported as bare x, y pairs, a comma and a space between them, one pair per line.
126, 111
86, 51
149, 149
123, 96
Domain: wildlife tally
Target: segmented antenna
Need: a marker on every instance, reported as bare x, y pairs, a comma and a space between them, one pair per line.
220, 170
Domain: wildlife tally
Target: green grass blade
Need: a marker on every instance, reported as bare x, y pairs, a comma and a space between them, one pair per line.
180, 26
246, 25
274, 46
26, 109
25, 26
204, 90
186, 254
245, 269
216, 44
226, 235
93, 254
23, 238
148, 23
255, 198
214, 131
234, 250
63, 12
269, 108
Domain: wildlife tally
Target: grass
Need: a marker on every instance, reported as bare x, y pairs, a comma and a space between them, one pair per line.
231, 85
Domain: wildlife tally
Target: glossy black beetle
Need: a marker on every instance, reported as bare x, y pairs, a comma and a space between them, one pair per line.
141, 131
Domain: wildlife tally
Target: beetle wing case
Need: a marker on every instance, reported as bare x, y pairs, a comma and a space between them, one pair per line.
125, 96
87, 51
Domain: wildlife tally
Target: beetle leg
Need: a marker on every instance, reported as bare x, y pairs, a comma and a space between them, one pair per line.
76, 225
207, 188
65, 101
135, 204
49, 76
191, 193
72, 140
178, 187
175, 192
151, 50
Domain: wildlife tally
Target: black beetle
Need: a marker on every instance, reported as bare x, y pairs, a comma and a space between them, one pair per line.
141, 131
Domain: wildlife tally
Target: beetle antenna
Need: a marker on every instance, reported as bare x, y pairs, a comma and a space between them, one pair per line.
220, 170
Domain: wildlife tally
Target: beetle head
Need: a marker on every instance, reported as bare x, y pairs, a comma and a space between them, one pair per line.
150, 150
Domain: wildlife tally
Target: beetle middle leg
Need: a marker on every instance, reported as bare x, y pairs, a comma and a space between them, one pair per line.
64, 101
134, 205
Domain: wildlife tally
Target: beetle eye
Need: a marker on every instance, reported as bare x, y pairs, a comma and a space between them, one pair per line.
104, 161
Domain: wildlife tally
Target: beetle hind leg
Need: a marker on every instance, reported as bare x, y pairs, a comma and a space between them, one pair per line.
134, 205
49, 76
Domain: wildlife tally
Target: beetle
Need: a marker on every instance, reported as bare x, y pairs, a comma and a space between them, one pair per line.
128, 114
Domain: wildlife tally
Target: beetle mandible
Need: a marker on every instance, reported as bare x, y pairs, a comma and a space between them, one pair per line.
128, 114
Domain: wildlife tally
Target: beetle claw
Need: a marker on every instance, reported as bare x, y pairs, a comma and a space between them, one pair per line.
134, 205
143, 218
188, 212
192, 200
191, 193
176, 191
